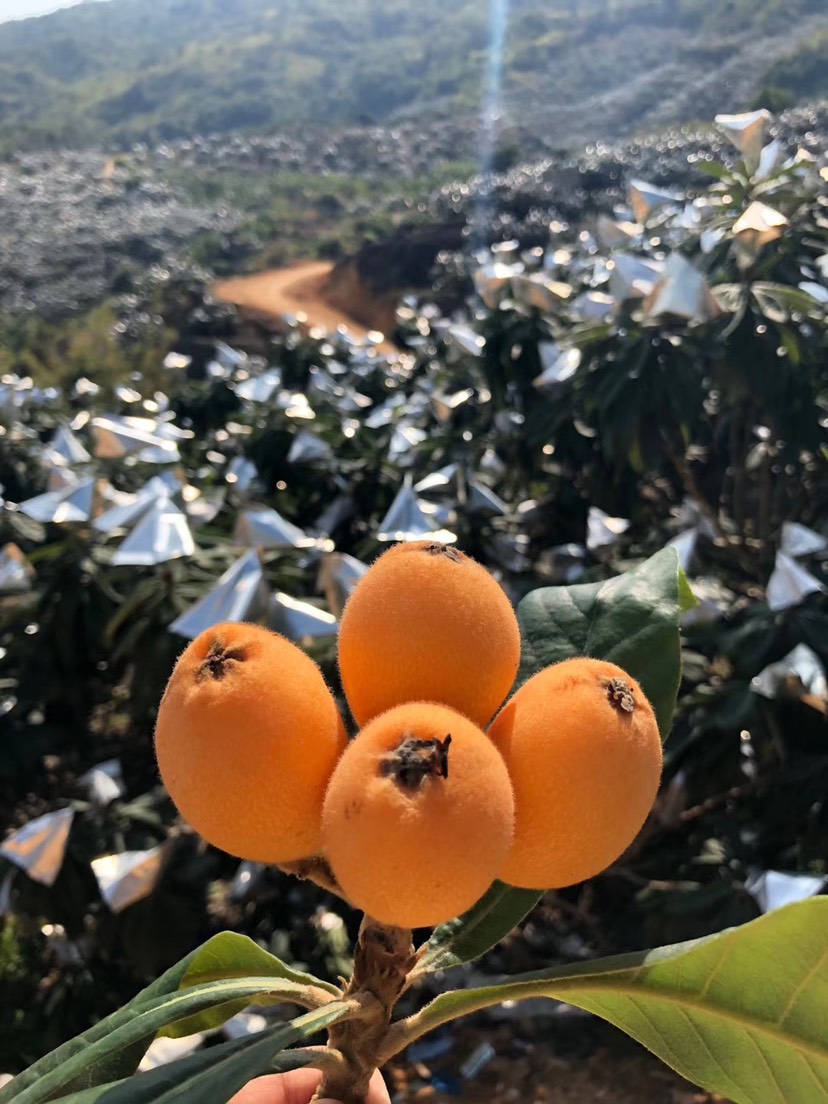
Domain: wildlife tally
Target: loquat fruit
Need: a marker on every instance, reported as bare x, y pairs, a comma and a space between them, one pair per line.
247, 738
581, 744
428, 623
418, 816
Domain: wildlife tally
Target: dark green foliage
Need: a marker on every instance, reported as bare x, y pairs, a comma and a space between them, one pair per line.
774, 99
804, 73
56, 354
728, 16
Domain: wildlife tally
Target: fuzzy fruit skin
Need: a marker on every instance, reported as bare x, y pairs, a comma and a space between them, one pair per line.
246, 757
585, 772
416, 857
427, 623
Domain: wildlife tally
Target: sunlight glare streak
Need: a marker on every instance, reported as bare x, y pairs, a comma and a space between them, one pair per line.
490, 116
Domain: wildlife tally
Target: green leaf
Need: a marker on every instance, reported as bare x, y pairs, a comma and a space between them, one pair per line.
144, 1088
731, 298
88, 1059
230, 955
772, 296
214, 1075
740, 1013
631, 620
116, 1064
478, 930
590, 334
687, 599
714, 169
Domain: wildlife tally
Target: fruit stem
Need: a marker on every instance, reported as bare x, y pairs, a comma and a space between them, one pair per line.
383, 958
314, 869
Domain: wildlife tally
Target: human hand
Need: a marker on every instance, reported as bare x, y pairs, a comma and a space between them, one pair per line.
298, 1086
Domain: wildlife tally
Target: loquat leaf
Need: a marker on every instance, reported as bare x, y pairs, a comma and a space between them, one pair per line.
741, 1013
230, 955
478, 930
214, 1075
631, 620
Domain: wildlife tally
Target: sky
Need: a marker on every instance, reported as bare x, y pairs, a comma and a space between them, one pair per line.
21, 9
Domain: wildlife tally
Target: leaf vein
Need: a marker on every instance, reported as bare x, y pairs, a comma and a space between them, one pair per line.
814, 1071
654, 1027
596, 608
768, 1066
713, 1057
797, 993
717, 969
767, 1028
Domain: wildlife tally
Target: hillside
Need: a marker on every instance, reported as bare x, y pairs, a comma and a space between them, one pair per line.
132, 70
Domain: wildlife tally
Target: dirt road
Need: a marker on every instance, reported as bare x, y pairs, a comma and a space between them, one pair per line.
298, 291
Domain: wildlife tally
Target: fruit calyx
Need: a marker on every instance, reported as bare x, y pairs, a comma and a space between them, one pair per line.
437, 549
620, 695
217, 662
415, 760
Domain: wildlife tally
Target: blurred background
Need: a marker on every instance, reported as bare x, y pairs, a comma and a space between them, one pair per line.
283, 282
